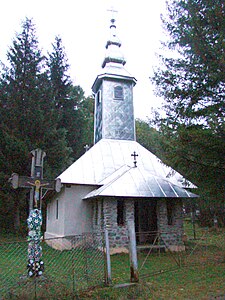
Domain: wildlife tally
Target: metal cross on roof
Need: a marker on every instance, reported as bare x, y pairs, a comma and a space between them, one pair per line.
135, 161
86, 147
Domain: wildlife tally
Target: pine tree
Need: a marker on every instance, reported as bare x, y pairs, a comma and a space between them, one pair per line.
149, 137
193, 87
69, 100
28, 117
58, 74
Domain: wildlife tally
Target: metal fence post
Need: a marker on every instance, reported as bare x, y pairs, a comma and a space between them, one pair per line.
84, 237
133, 252
108, 276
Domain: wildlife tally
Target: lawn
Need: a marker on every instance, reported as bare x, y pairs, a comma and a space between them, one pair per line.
65, 272
198, 273
202, 282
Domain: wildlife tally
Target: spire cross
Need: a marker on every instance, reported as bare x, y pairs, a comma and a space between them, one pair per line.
113, 12
135, 161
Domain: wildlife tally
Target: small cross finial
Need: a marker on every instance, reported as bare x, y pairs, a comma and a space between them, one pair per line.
113, 12
135, 161
86, 147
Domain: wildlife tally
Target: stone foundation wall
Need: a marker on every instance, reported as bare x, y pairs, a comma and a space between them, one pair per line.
97, 217
171, 235
105, 216
118, 234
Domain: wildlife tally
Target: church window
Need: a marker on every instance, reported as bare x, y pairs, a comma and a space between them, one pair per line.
48, 211
118, 92
120, 213
57, 210
170, 212
98, 97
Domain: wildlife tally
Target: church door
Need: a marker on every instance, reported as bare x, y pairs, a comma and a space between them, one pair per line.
145, 220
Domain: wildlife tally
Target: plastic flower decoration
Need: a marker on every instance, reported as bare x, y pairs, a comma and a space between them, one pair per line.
35, 265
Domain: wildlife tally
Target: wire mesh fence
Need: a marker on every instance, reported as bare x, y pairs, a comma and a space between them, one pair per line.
201, 246
76, 263
71, 263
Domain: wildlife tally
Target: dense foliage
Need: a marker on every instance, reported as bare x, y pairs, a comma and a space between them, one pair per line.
192, 84
39, 108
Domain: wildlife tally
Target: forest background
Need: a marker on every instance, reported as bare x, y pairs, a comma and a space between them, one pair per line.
40, 107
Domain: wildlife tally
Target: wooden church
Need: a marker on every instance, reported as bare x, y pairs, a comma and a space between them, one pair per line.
117, 179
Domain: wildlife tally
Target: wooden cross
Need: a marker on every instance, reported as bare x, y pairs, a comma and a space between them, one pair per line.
135, 161
36, 182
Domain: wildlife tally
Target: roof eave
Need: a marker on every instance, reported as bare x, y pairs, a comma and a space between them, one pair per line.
100, 77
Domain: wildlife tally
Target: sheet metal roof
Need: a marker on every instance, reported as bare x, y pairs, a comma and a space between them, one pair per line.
109, 164
112, 70
136, 182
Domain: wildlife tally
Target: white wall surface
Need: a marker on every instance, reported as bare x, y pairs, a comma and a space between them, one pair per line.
74, 214
54, 226
78, 212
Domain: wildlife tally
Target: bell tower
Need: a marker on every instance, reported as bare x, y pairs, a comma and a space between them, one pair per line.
113, 89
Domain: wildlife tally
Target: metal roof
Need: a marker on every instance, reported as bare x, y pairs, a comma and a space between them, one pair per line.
112, 71
109, 164
136, 182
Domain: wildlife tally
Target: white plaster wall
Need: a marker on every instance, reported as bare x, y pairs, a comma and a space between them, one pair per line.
74, 214
54, 226
78, 212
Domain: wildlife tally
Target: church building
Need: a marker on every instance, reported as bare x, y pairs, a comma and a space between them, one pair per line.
117, 180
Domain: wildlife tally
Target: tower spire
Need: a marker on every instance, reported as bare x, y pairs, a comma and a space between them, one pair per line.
113, 53
113, 88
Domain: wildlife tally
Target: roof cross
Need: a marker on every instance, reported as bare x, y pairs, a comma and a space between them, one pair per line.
86, 147
135, 161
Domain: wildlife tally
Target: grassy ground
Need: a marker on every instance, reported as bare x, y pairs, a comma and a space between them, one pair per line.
202, 282
198, 273
65, 271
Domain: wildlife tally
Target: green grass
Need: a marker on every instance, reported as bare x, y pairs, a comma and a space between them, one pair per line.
65, 271
202, 282
198, 273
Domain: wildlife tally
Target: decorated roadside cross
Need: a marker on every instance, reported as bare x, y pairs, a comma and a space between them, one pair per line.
35, 183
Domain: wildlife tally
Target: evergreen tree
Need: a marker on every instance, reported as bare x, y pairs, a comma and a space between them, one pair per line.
28, 118
87, 107
69, 100
193, 87
60, 80
149, 138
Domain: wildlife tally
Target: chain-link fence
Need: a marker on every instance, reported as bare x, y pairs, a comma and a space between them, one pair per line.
198, 247
71, 264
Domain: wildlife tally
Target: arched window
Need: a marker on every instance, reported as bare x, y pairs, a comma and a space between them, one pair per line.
118, 92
